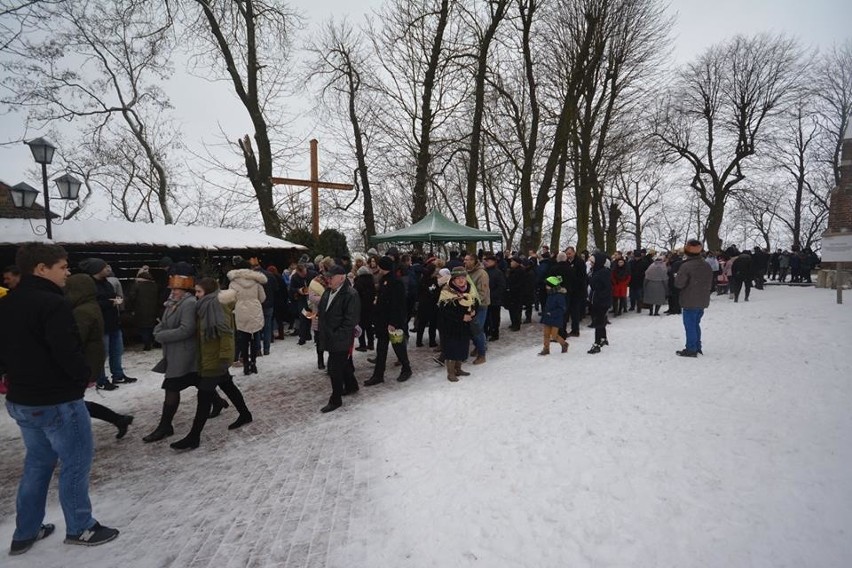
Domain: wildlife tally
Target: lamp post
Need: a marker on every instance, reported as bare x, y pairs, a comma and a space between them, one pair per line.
43, 154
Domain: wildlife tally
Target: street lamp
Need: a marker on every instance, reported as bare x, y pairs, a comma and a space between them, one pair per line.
23, 195
43, 154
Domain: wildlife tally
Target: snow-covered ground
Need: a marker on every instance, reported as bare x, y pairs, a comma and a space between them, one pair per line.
633, 457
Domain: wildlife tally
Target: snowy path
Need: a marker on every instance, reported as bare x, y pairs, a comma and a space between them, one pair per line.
632, 458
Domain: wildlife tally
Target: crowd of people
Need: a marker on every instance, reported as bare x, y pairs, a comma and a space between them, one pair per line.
68, 332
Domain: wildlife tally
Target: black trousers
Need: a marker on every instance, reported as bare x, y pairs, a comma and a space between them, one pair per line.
342, 374
576, 310
599, 322
382, 342
492, 321
247, 346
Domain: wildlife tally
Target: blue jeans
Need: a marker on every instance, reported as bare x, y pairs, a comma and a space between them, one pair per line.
63, 433
479, 340
692, 325
114, 346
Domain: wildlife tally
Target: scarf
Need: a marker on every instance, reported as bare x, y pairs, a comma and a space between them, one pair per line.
212, 317
465, 298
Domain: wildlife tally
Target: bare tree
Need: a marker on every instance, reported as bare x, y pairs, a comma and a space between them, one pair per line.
716, 117
248, 43
104, 79
497, 10
637, 181
340, 63
833, 86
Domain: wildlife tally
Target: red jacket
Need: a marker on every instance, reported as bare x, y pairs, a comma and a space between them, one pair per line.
620, 281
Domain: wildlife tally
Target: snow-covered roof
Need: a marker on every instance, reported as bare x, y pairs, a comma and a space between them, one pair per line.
115, 232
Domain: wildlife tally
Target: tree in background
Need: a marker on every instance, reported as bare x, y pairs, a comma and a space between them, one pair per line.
331, 242
98, 64
248, 42
719, 112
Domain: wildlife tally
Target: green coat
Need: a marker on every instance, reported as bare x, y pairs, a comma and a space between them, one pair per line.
81, 293
212, 353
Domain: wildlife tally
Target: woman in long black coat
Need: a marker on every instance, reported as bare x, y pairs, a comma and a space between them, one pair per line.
365, 285
427, 305
457, 306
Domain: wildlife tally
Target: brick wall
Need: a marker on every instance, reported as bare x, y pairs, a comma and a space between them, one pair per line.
840, 209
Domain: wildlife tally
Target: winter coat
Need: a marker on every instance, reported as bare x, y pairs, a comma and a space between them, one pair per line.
555, 306
270, 287
109, 311
337, 321
694, 279
638, 268
580, 281
741, 267
516, 283
80, 291
656, 288
566, 272
427, 297
40, 347
496, 285
144, 302
391, 307
483, 286
600, 282
620, 280
452, 307
176, 332
297, 283
213, 351
366, 288
248, 284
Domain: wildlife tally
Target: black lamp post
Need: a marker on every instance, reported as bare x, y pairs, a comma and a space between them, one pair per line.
43, 154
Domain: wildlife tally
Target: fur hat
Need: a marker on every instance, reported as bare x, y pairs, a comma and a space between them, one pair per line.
693, 247
178, 282
92, 265
386, 263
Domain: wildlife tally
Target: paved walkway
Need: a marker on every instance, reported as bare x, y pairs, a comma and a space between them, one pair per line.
282, 491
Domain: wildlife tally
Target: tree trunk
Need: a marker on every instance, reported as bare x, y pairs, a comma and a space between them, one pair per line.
360, 157
715, 214
478, 106
556, 234
419, 194
612, 228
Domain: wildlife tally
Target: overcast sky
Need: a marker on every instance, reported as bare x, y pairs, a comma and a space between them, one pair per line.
699, 24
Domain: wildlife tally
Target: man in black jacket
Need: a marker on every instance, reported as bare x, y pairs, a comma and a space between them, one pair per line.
390, 316
497, 288
578, 293
600, 283
109, 302
338, 313
47, 374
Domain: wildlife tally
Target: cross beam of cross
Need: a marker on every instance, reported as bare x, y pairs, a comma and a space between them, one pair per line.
315, 184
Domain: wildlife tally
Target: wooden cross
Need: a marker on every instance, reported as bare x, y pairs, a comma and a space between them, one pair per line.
315, 184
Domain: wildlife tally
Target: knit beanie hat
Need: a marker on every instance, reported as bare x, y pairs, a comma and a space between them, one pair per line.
458, 271
386, 263
554, 280
364, 270
92, 265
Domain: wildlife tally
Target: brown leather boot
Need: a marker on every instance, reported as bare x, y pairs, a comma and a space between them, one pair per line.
479, 360
451, 371
459, 371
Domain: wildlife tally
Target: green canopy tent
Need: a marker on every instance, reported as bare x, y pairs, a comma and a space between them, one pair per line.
435, 228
